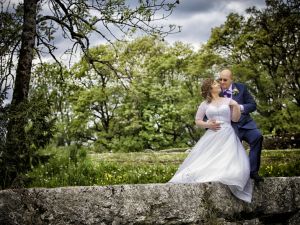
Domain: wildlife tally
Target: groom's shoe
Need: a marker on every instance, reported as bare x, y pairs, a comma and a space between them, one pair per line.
256, 177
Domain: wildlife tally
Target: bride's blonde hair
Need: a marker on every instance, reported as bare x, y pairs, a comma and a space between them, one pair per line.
206, 88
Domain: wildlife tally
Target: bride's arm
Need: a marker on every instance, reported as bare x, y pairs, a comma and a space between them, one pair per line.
208, 124
199, 119
235, 111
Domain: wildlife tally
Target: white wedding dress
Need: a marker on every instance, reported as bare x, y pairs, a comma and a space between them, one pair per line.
218, 156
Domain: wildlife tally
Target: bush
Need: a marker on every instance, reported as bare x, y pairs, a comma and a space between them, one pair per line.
282, 141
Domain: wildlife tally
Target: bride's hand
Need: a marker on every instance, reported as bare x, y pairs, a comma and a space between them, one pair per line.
213, 125
233, 103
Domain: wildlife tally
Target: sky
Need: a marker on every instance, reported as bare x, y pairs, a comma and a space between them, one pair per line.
196, 17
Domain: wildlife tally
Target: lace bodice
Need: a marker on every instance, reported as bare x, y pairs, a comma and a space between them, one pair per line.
220, 112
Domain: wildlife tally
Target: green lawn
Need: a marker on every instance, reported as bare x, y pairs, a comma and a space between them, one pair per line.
178, 157
138, 167
280, 163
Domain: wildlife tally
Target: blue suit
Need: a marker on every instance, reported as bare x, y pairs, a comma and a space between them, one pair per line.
246, 128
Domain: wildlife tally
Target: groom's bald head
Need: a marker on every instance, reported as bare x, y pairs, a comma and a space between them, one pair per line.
225, 78
226, 72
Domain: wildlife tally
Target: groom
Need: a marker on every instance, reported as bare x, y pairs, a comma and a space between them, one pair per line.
245, 128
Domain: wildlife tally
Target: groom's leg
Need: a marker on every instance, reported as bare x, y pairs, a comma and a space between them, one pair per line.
254, 139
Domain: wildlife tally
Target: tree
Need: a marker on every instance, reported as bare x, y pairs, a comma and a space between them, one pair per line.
263, 50
76, 20
146, 99
10, 29
127, 111
55, 84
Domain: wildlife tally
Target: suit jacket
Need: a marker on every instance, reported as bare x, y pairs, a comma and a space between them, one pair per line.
243, 97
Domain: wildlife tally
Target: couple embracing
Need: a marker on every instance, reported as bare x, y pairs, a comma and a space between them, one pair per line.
219, 155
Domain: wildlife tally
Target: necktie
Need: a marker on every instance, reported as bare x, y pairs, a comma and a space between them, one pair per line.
227, 94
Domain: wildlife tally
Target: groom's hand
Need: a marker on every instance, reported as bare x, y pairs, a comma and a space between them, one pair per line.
213, 125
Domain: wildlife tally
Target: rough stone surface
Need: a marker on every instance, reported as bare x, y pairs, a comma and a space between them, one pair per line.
275, 201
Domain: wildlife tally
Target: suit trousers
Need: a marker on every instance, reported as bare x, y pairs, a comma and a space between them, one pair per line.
254, 138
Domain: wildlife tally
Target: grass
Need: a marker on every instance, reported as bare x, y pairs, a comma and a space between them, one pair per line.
69, 167
140, 157
277, 163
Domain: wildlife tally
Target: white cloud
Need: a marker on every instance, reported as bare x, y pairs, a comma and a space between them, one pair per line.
198, 17
196, 28
9, 4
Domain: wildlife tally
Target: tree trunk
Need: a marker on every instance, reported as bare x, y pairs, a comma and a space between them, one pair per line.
17, 154
26, 52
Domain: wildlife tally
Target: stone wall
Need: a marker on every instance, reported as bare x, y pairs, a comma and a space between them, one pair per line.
275, 201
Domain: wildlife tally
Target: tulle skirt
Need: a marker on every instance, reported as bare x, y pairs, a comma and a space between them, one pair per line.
218, 156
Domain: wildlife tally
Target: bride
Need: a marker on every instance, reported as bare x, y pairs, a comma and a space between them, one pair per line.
219, 155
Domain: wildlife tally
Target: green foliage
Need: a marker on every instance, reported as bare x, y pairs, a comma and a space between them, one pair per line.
145, 97
157, 106
134, 168
33, 130
67, 166
39, 128
10, 27
40, 28
261, 49
145, 94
